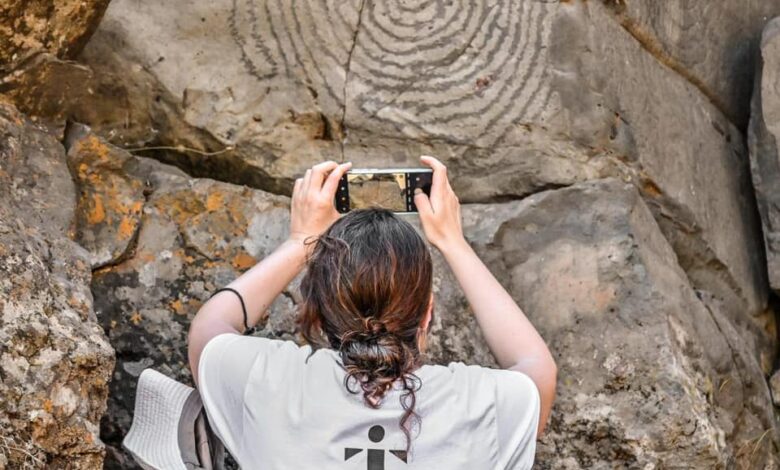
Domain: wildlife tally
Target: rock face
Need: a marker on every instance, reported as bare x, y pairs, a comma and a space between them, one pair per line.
764, 139
597, 277
588, 263
597, 148
55, 361
712, 44
515, 97
160, 243
59, 27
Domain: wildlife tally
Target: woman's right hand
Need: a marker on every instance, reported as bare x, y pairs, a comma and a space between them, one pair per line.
439, 214
312, 210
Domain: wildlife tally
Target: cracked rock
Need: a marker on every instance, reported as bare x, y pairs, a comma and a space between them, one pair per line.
764, 139
55, 360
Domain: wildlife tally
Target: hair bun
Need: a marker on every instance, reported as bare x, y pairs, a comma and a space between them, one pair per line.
371, 330
374, 326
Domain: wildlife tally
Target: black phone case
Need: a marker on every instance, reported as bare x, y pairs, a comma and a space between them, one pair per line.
414, 180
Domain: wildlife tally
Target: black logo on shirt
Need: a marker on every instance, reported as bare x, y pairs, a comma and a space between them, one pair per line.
376, 457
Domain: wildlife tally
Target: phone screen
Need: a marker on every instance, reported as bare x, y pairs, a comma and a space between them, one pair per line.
389, 189
386, 190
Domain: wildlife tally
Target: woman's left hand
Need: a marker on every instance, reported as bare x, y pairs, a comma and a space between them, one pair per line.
313, 210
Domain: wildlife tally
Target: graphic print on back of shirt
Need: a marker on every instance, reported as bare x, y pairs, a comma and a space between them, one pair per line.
376, 457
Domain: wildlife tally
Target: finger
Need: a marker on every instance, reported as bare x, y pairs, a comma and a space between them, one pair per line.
319, 171
434, 163
449, 189
297, 188
439, 182
306, 182
431, 161
423, 204
334, 178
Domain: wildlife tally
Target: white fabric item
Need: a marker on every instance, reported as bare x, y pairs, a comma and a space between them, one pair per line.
274, 410
153, 435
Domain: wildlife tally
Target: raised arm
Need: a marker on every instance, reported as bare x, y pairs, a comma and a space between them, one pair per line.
312, 211
512, 339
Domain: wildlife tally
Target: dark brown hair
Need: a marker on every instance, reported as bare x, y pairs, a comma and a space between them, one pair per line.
365, 293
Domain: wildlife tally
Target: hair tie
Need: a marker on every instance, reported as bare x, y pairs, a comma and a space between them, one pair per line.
247, 330
374, 326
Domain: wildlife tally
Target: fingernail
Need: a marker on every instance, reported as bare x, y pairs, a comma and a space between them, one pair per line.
417, 191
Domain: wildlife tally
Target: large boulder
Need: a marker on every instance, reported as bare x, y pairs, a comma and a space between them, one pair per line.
114, 94
160, 243
60, 27
652, 371
516, 97
764, 140
55, 361
54, 91
711, 44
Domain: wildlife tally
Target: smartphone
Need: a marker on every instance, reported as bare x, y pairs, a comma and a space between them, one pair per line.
390, 188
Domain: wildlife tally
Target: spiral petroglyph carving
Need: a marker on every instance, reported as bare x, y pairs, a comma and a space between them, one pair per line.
461, 70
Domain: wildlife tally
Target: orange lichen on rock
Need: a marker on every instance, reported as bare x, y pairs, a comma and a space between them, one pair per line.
146, 256
214, 201
127, 227
110, 202
243, 261
178, 307
238, 213
93, 145
97, 212
136, 318
180, 206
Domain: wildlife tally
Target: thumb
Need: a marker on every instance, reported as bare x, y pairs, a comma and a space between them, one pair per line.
422, 203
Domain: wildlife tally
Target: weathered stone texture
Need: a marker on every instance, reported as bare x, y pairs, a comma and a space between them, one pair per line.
712, 44
55, 361
649, 373
61, 27
597, 147
690, 162
161, 242
652, 371
764, 140
110, 200
515, 97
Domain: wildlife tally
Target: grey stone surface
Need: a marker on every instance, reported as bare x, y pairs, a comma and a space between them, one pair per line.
119, 100
161, 242
713, 44
515, 97
691, 165
596, 146
55, 361
764, 140
774, 384
652, 372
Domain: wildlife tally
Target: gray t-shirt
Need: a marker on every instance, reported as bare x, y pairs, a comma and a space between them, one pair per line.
274, 410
